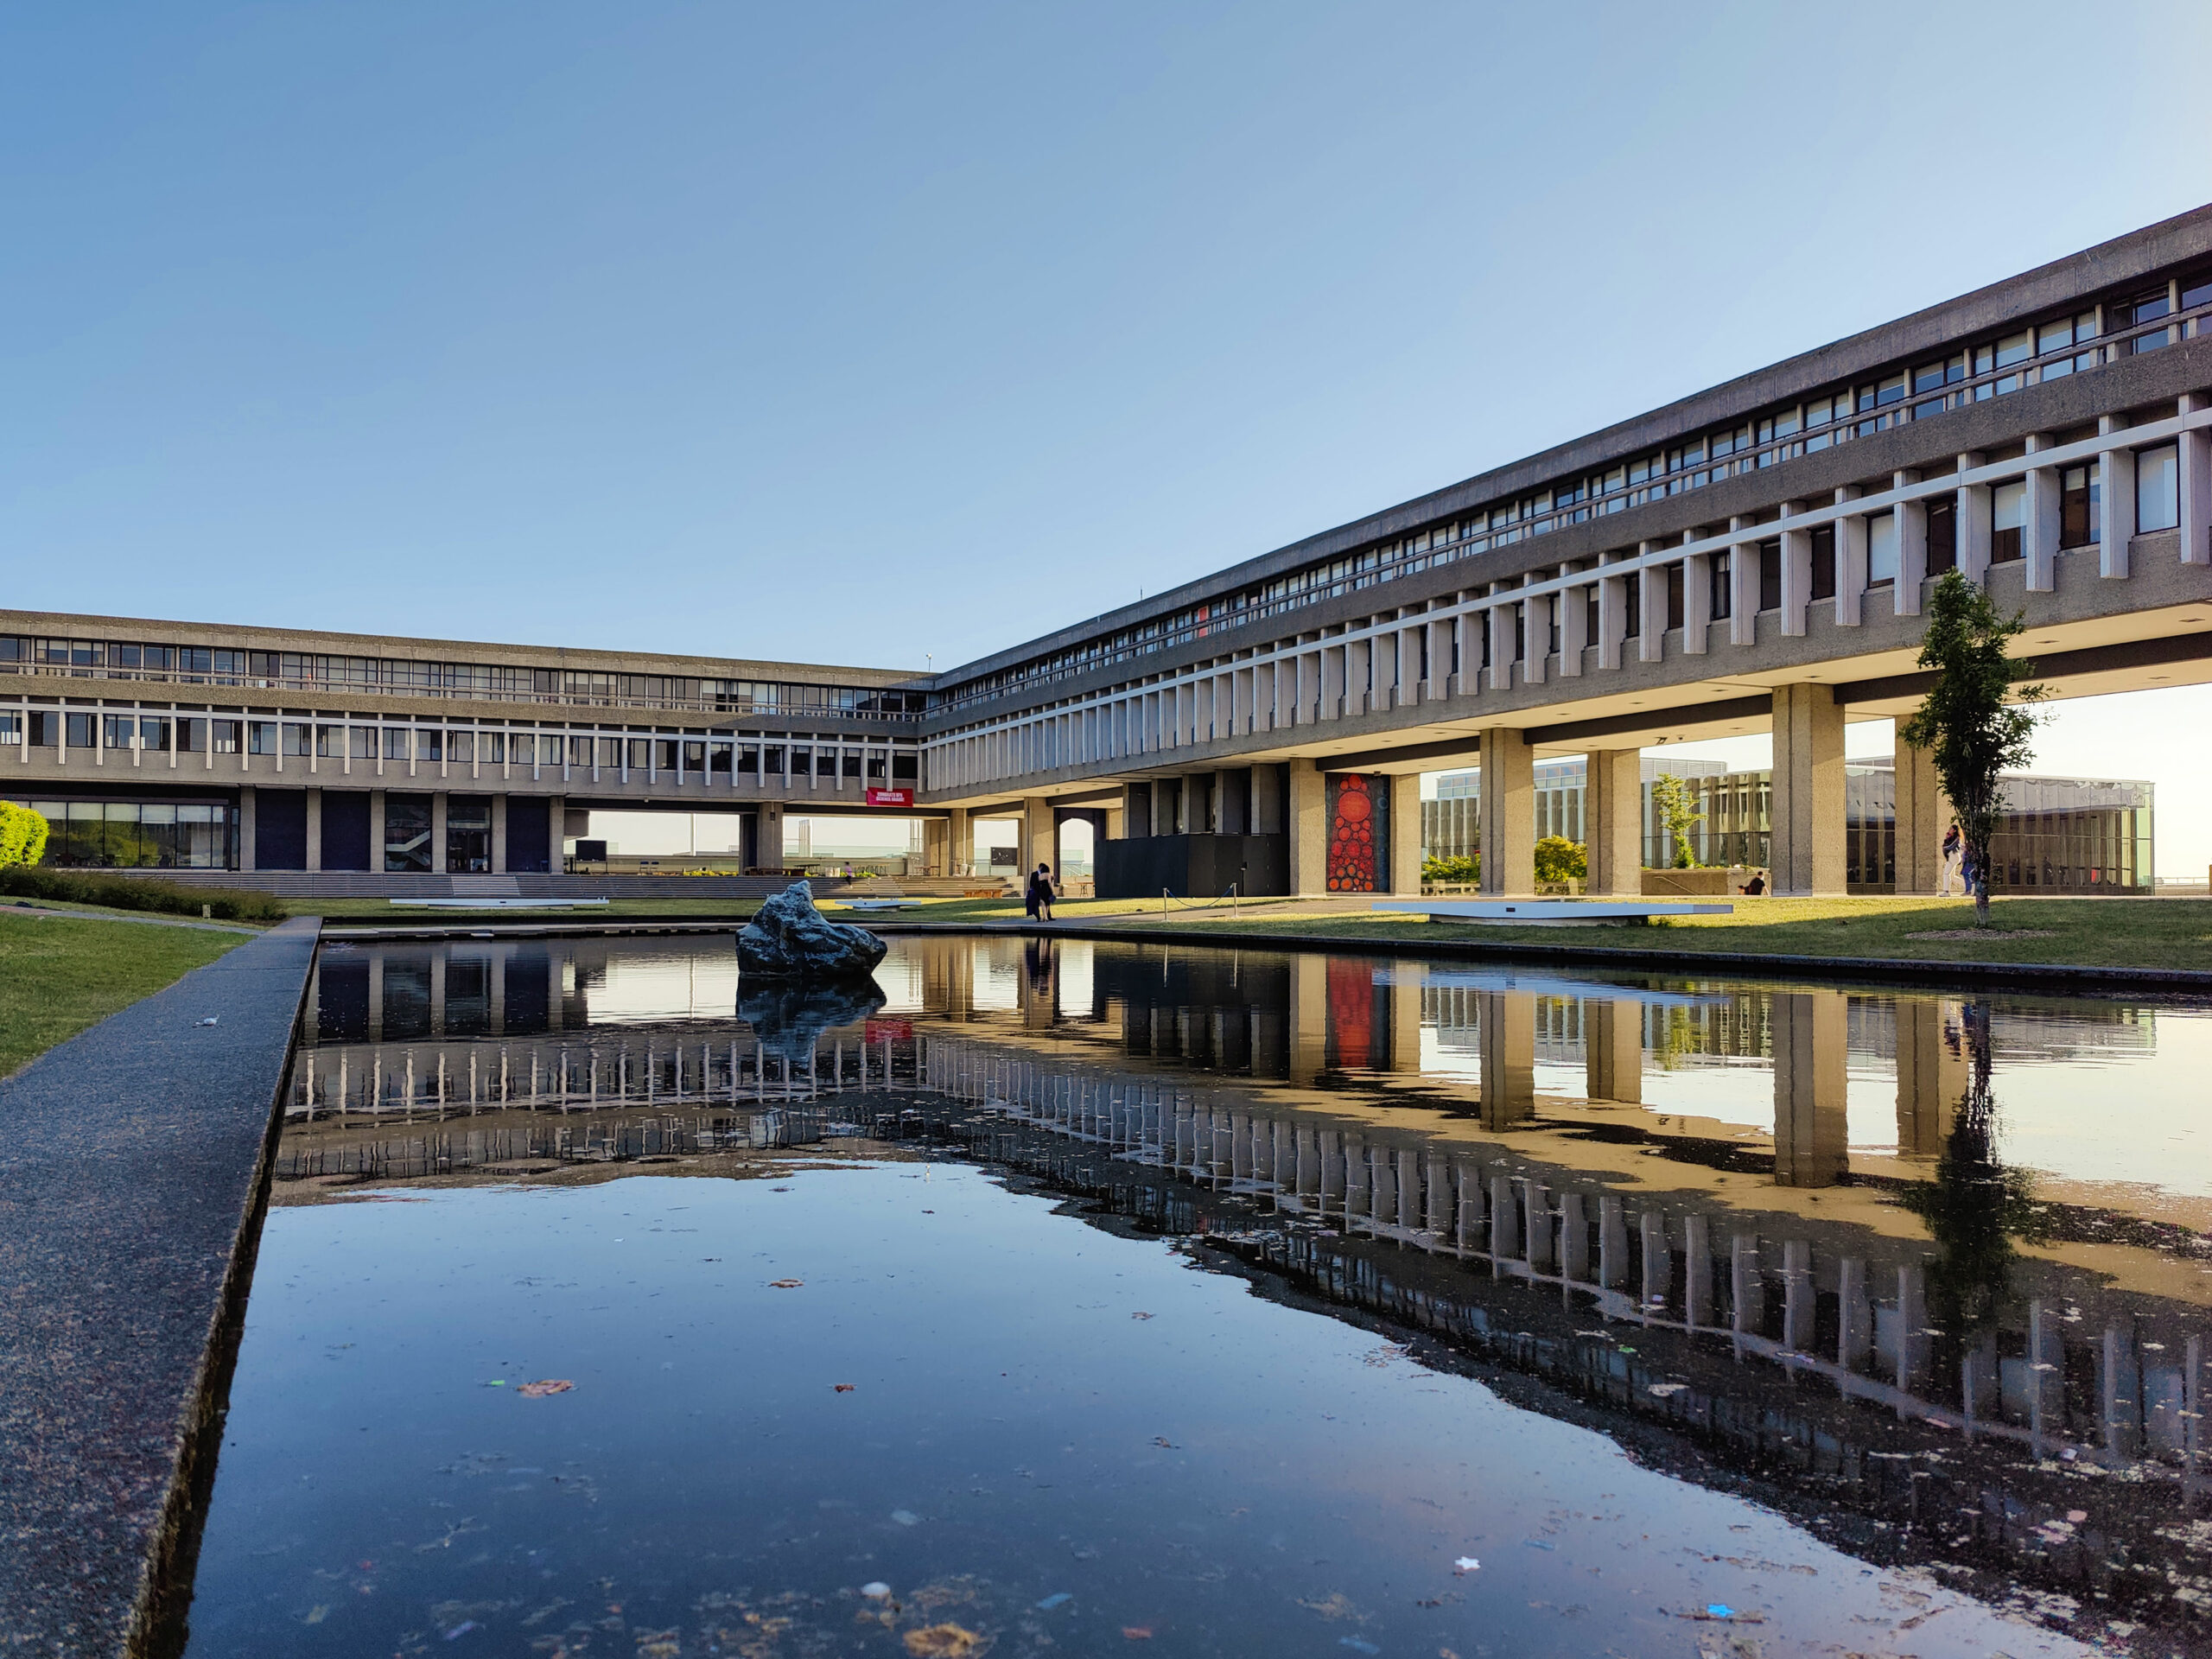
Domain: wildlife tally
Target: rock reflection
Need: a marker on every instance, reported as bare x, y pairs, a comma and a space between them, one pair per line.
791, 1017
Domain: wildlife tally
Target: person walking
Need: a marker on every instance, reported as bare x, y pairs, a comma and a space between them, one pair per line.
1953, 844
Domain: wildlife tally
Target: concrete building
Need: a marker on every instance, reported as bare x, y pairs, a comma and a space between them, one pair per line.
1756, 558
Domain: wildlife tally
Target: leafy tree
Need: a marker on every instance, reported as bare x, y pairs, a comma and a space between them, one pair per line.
22, 835
1974, 722
1439, 871
1674, 803
1559, 859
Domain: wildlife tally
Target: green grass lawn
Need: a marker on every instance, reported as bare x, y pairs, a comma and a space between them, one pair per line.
379, 910
58, 975
2087, 932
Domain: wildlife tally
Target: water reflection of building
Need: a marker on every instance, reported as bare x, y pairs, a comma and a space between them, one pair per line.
1783, 1279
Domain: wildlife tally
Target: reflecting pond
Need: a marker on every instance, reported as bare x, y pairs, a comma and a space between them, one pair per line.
1060, 1295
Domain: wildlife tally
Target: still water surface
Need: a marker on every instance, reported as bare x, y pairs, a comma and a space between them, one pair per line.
1097, 1298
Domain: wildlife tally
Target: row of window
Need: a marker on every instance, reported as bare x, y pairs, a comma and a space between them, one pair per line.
2046, 351
210, 665
43, 728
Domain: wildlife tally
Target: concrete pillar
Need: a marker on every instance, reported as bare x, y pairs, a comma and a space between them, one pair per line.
1850, 554
1923, 815
314, 828
1405, 834
1612, 821
1796, 571
1508, 814
1932, 1074
1810, 1131
2118, 523
959, 834
2040, 533
499, 834
1809, 821
438, 832
1612, 1050
248, 825
1232, 804
1697, 602
1309, 829
1508, 1044
1743, 585
1267, 801
1040, 840
556, 831
2196, 484
376, 831
1973, 521
1912, 549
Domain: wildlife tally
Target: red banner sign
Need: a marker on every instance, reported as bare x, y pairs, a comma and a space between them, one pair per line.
891, 798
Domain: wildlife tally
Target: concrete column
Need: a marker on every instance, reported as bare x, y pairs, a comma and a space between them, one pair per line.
1267, 801
314, 828
248, 824
1973, 520
1808, 822
1508, 813
438, 832
1810, 1130
376, 831
1743, 587
1697, 602
1612, 1050
556, 833
1573, 627
959, 840
1796, 571
1405, 834
1912, 549
1651, 612
1309, 829
1167, 805
1040, 840
1232, 802
1612, 616
1923, 815
1932, 1073
1499, 619
499, 834
1851, 536
2118, 467
1508, 1044
2041, 532
2196, 484
1612, 821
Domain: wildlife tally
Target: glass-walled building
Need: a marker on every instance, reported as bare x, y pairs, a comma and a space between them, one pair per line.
2060, 835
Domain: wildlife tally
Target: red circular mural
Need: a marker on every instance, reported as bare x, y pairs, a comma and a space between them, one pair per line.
1351, 837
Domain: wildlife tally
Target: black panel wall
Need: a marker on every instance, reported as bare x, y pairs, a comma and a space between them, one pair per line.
530, 834
1201, 866
344, 830
280, 829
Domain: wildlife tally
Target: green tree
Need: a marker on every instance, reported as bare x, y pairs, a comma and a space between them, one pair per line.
1438, 872
1559, 859
1674, 804
22, 835
1975, 722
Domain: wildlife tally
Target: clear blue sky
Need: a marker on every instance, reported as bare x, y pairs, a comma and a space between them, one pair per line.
856, 334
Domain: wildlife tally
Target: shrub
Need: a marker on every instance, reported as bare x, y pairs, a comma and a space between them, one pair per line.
1559, 859
131, 892
22, 835
1440, 871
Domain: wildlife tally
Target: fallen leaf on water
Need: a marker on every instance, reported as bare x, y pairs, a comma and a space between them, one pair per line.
785, 1284
538, 1391
942, 1642
1140, 1316
844, 1388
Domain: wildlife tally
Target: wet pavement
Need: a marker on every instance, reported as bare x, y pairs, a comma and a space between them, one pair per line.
1086, 1296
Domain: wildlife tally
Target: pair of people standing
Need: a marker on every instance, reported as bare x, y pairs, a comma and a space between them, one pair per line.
1955, 855
1037, 899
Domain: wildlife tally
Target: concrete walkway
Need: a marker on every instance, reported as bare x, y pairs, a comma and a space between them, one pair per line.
132, 1176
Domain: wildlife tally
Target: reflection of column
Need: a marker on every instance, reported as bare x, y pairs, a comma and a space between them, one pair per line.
1931, 1073
1808, 818
1613, 822
1468, 1180
1309, 1018
1697, 1260
438, 994
1746, 1288
1810, 1130
1508, 813
1612, 1244
1854, 1316
1504, 1222
376, 995
499, 989
1537, 1205
1573, 1238
1508, 1041
1658, 1262
1309, 829
1612, 1050
1912, 1327
1402, 999
1799, 1298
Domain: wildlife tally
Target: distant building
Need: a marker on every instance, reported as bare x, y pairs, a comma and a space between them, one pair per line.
2068, 835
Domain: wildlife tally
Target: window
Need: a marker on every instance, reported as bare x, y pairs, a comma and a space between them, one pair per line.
610, 753
1723, 599
460, 747
664, 754
2081, 509
2147, 310
2157, 489
2066, 332
773, 760
1771, 576
361, 742
116, 730
718, 759
261, 737
297, 740
493, 747
2196, 291
192, 736
640, 753
153, 736
2008, 520
330, 742
1674, 574
580, 753
1882, 549
394, 742
226, 735
1632, 604
2003, 354
1824, 562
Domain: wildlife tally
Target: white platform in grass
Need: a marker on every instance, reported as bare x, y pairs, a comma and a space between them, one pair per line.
1548, 913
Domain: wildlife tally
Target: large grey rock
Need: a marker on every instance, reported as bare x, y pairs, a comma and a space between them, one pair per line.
789, 939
